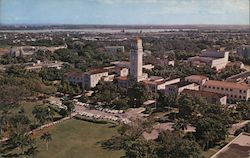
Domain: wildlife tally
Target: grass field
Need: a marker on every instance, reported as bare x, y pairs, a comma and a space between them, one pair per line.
78, 139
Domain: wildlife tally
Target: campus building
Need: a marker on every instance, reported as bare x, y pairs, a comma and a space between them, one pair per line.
92, 77
214, 59
178, 87
88, 79
233, 91
198, 79
75, 78
210, 97
159, 83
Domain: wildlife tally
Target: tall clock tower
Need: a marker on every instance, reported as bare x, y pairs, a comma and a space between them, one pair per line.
136, 54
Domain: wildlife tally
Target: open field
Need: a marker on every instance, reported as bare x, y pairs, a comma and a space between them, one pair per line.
76, 138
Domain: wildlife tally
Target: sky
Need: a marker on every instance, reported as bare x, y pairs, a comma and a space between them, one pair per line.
158, 12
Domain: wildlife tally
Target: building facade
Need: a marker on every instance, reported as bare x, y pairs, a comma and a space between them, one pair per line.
210, 97
93, 77
214, 59
177, 88
233, 91
198, 79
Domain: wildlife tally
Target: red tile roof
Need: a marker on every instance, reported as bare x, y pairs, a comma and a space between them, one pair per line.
225, 84
202, 93
197, 77
97, 71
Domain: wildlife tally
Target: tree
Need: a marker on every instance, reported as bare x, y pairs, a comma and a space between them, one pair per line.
20, 140
32, 151
172, 145
166, 101
180, 125
40, 114
43, 114
70, 107
210, 130
138, 94
47, 138
185, 107
168, 144
10, 94
244, 110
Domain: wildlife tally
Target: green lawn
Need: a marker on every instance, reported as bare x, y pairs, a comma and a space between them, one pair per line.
78, 139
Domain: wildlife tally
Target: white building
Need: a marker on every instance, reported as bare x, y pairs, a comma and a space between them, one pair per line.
214, 59
177, 88
88, 79
159, 83
92, 77
198, 79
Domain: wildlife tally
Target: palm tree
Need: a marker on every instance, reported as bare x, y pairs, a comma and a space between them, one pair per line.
50, 113
40, 113
46, 137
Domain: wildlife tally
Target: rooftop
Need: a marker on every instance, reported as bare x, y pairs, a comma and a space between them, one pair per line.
227, 84
197, 77
202, 93
181, 84
96, 71
237, 148
156, 78
239, 76
75, 74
